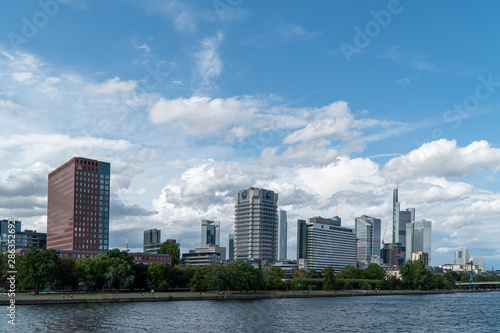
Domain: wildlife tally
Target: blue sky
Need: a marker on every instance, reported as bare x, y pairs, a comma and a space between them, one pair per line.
324, 102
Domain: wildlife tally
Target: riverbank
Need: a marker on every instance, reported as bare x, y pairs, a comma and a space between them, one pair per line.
56, 298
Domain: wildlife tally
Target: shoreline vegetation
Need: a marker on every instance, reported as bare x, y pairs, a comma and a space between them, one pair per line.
128, 297
114, 277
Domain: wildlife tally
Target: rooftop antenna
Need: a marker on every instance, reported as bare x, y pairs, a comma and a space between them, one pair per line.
336, 210
126, 247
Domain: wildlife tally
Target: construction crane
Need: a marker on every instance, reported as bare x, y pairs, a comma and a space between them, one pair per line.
385, 230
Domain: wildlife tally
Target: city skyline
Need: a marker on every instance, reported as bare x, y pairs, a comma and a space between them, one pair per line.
195, 102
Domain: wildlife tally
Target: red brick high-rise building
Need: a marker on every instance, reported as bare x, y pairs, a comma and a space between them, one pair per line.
78, 206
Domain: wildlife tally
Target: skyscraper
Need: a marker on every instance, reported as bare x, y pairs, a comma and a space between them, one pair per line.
231, 247
256, 225
152, 241
418, 238
210, 233
282, 235
367, 238
462, 257
78, 206
399, 220
327, 243
301, 239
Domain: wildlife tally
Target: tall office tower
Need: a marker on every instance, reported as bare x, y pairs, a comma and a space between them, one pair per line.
78, 206
301, 239
399, 220
368, 238
152, 241
479, 262
231, 247
327, 243
462, 257
4, 226
256, 225
418, 238
210, 233
282, 226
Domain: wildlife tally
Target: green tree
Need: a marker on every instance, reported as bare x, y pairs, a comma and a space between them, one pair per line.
156, 277
413, 275
116, 253
140, 272
4, 257
67, 275
37, 268
119, 274
92, 271
183, 276
172, 249
244, 276
197, 282
392, 283
302, 274
329, 279
374, 272
450, 281
273, 278
218, 278
300, 279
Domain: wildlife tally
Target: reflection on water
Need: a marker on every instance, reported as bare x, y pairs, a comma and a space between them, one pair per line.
408, 313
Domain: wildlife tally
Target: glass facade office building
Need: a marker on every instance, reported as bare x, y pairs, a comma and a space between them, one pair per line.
418, 238
282, 235
368, 238
400, 218
210, 233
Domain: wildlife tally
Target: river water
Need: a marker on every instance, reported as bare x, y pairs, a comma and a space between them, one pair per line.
478, 312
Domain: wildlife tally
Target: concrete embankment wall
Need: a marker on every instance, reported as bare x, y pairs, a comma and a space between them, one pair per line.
125, 299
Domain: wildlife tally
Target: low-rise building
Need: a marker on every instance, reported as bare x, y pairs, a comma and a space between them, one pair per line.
138, 258
207, 255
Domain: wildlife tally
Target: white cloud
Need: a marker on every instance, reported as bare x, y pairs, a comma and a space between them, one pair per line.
22, 76
112, 87
208, 61
9, 104
202, 116
444, 159
404, 81
445, 249
334, 121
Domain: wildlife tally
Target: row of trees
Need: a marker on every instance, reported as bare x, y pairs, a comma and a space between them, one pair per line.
115, 270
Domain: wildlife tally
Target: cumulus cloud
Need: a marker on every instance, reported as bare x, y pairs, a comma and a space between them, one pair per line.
444, 159
201, 116
334, 121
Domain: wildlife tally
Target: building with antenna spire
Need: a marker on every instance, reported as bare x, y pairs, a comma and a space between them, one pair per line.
400, 218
